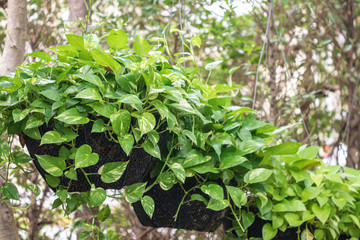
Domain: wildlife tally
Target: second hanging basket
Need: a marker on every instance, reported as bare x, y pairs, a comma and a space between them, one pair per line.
193, 215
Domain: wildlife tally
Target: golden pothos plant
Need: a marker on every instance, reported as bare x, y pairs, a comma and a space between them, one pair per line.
127, 94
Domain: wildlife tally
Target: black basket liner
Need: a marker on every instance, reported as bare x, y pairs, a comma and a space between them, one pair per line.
139, 166
193, 215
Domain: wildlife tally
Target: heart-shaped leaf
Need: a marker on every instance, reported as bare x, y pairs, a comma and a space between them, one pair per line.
84, 157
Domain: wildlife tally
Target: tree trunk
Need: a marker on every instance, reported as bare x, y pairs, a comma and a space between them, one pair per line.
78, 12
12, 56
14, 49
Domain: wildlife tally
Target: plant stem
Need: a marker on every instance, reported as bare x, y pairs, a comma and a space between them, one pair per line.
233, 212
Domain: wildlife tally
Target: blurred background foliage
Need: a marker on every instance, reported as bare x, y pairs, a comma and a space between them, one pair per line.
320, 40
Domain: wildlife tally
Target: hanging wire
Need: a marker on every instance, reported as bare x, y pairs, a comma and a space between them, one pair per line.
263, 91
181, 32
170, 18
287, 71
132, 25
58, 42
188, 30
350, 110
262, 53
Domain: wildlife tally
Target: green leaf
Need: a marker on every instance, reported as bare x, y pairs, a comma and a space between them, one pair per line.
69, 134
134, 192
71, 174
319, 234
184, 107
207, 167
257, 175
310, 193
322, 213
89, 93
20, 157
52, 181
232, 70
283, 148
245, 134
104, 213
322, 200
200, 198
193, 158
52, 137
277, 221
121, 122
104, 109
289, 206
19, 115
190, 135
97, 197
196, 41
132, 100
77, 42
268, 232
52, 165
111, 172
148, 204
146, 122
248, 218
166, 180
293, 219
56, 203
42, 55
152, 149
217, 205
62, 194
317, 179
117, 39
178, 171
10, 191
252, 124
52, 94
126, 143
230, 159
94, 79
339, 202
153, 136
106, 60
309, 152
216, 145
250, 146
237, 195
73, 116
84, 235
84, 157
211, 65
214, 191
355, 220
34, 121
99, 126
141, 46
64, 152
161, 108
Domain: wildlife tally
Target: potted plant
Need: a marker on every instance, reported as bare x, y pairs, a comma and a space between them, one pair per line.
97, 119
85, 116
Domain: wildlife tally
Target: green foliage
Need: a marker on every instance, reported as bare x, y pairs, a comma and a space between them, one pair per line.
129, 94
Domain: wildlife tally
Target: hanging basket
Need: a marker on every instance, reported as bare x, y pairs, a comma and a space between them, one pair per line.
137, 169
193, 215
